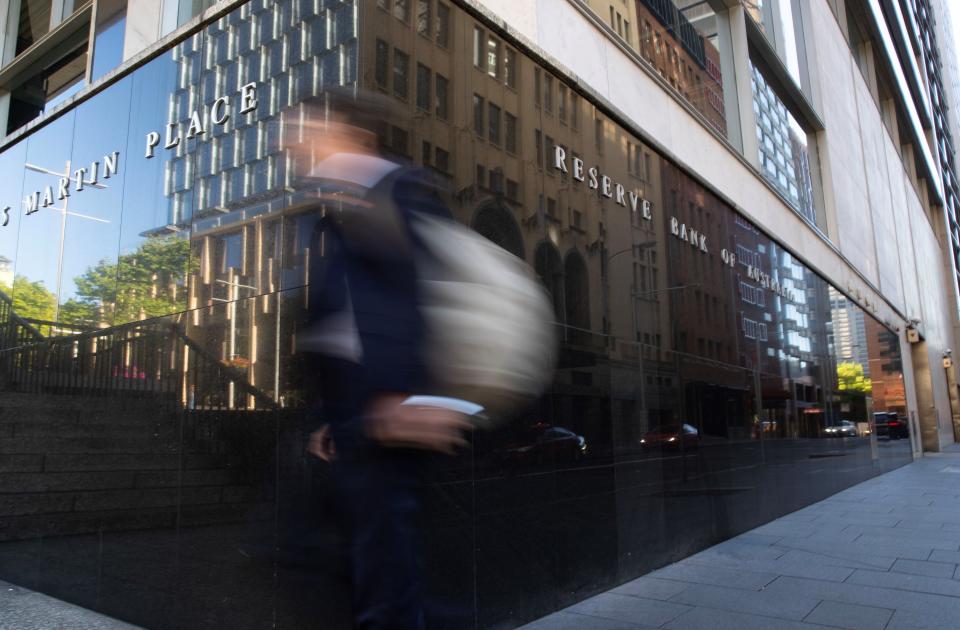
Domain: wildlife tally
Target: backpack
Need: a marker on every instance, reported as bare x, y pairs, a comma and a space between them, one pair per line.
491, 335
490, 326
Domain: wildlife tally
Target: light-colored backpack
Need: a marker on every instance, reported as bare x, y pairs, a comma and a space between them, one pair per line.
490, 327
491, 336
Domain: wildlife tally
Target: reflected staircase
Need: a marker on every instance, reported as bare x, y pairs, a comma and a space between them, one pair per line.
131, 427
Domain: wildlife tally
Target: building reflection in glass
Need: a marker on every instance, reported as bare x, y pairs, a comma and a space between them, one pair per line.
696, 382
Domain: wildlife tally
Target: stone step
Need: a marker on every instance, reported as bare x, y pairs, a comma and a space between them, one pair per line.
40, 400
65, 462
39, 525
24, 503
88, 445
24, 482
93, 429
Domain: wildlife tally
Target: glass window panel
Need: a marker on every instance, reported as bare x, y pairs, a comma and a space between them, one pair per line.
493, 118
423, 87
401, 71
442, 105
401, 9
493, 58
796, 181
443, 25
109, 36
423, 17
478, 126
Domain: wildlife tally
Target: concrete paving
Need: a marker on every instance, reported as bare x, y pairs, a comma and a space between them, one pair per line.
882, 555
23, 609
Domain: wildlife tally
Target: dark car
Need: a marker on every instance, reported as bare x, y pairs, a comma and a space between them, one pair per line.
545, 443
844, 429
672, 437
889, 424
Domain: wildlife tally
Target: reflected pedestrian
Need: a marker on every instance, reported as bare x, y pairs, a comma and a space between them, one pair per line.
364, 333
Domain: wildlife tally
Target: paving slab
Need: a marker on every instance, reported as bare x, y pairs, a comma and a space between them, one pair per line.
751, 602
850, 616
23, 609
925, 567
882, 555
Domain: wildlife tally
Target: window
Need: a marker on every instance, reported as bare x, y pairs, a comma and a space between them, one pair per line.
442, 86
510, 68
383, 4
478, 126
423, 17
382, 63
537, 95
493, 120
401, 70
538, 146
443, 25
784, 148
47, 88
479, 48
423, 87
481, 176
511, 133
562, 103
426, 152
626, 32
401, 141
574, 109
548, 93
442, 160
496, 180
513, 190
401, 10
548, 149
598, 134
493, 58
109, 35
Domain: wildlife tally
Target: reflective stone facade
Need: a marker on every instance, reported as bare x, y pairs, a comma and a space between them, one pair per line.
153, 464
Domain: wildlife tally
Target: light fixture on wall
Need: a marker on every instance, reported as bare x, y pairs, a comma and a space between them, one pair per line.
913, 334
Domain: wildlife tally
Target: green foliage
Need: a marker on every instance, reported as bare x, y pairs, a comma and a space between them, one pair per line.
850, 378
149, 282
32, 299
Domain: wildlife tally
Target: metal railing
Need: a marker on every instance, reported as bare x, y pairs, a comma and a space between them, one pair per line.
153, 358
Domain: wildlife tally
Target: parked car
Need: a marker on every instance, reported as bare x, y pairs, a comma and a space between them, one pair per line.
844, 429
889, 424
544, 443
672, 437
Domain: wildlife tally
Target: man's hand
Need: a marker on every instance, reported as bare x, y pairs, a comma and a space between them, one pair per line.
321, 444
393, 424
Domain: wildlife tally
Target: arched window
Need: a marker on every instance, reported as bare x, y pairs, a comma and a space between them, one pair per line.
496, 223
549, 267
576, 291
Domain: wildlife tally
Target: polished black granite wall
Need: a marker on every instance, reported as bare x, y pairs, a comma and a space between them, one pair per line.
152, 429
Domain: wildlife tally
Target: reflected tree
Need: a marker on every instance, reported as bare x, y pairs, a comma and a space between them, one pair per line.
851, 379
31, 299
149, 282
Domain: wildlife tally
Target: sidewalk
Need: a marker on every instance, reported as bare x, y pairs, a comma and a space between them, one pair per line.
23, 609
881, 555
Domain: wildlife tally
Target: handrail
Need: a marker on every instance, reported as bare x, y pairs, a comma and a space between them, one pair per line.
136, 357
11, 316
232, 373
